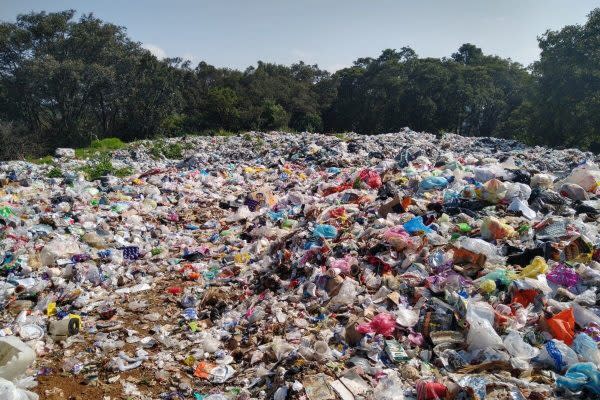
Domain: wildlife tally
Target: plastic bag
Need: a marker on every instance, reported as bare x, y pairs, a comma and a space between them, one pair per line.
502, 276
383, 324
581, 376
542, 181
586, 176
370, 177
562, 325
407, 318
516, 190
480, 246
400, 239
346, 295
344, 265
584, 316
536, 267
518, 348
480, 316
15, 357
416, 225
493, 228
563, 275
60, 247
433, 182
389, 388
587, 348
493, 191
518, 205
12, 391
557, 354
325, 231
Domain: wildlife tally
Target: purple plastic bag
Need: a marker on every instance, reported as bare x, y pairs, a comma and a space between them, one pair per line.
563, 275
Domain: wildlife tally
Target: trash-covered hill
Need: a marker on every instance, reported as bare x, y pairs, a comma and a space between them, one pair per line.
301, 266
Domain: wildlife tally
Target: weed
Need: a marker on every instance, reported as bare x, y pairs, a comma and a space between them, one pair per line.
123, 172
169, 150
99, 167
55, 173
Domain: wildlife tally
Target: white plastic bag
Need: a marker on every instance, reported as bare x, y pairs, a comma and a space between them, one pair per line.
482, 335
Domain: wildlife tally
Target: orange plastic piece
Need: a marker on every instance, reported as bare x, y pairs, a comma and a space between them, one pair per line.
562, 326
203, 369
525, 297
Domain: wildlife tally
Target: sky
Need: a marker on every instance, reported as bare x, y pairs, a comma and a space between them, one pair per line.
330, 33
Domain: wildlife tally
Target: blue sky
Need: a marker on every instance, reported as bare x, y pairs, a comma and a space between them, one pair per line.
331, 33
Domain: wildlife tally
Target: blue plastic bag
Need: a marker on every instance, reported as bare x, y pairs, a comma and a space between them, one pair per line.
416, 225
276, 215
433, 182
581, 376
586, 347
325, 231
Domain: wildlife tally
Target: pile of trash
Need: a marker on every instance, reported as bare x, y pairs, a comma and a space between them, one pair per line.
304, 266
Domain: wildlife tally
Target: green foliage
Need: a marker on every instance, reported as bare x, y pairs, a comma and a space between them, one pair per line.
123, 172
55, 173
172, 125
161, 149
567, 99
99, 167
65, 81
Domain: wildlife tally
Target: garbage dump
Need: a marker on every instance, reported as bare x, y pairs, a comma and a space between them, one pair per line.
303, 266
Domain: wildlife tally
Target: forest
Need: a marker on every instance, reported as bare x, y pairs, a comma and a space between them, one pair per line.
66, 81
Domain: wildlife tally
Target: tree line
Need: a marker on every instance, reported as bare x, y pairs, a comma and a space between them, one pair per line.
67, 81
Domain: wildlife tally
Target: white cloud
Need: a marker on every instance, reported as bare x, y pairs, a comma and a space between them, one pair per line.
155, 50
335, 67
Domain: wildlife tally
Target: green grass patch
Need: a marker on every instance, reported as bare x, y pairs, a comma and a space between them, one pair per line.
47, 160
99, 146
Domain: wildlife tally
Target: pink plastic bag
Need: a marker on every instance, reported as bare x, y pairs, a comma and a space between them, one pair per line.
343, 264
400, 239
383, 324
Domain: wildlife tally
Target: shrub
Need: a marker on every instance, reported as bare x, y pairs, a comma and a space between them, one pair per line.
169, 150
99, 167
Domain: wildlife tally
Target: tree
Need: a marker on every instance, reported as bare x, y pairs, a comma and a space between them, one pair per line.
568, 79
